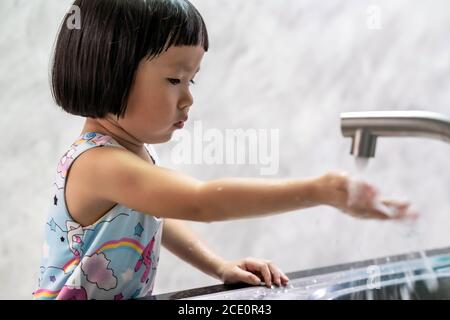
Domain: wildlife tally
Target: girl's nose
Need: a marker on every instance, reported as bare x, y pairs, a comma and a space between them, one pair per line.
187, 100
185, 108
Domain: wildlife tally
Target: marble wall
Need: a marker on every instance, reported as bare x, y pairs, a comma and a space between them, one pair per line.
290, 65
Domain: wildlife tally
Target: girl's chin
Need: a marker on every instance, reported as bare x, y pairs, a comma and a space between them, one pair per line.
161, 138
167, 137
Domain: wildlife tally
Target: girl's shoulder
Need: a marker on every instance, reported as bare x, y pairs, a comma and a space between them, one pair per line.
100, 178
82, 202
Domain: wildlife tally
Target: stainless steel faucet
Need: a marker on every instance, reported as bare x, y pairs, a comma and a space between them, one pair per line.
365, 127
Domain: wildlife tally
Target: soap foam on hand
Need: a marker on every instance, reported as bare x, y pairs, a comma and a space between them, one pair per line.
360, 193
388, 211
398, 210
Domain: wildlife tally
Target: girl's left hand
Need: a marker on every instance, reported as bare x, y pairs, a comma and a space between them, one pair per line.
252, 271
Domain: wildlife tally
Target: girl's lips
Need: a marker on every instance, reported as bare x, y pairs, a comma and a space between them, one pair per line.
179, 124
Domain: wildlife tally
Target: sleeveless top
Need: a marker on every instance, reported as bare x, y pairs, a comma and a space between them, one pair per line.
114, 258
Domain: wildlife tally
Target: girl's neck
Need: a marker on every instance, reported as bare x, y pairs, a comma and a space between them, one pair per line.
108, 127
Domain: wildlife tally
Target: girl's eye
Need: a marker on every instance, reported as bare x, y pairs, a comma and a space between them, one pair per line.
174, 81
177, 81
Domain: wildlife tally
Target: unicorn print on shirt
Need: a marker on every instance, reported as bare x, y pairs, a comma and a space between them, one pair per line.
75, 233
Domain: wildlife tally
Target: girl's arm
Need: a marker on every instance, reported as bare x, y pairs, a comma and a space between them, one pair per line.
119, 176
180, 240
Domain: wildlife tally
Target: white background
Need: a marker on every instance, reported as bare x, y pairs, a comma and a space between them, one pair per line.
291, 65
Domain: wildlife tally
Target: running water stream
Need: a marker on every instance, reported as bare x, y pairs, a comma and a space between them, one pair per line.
411, 230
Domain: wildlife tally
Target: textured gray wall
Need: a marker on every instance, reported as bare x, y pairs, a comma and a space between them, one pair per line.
291, 65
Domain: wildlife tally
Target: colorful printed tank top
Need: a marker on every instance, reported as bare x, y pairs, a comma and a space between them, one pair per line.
114, 258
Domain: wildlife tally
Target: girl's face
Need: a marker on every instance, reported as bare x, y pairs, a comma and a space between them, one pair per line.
160, 95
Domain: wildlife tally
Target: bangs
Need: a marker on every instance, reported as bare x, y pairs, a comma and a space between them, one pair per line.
172, 23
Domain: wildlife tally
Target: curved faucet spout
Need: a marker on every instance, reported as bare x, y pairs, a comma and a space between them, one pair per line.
365, 127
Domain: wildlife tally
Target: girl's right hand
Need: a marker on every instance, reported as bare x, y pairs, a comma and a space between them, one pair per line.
360, 199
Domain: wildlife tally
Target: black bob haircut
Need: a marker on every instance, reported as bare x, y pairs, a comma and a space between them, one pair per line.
94, 66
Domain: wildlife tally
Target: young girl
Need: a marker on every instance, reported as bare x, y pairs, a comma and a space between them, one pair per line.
127, 69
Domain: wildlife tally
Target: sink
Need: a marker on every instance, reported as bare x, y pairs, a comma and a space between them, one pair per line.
439, 289
411, 276
424, 278
415, 276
